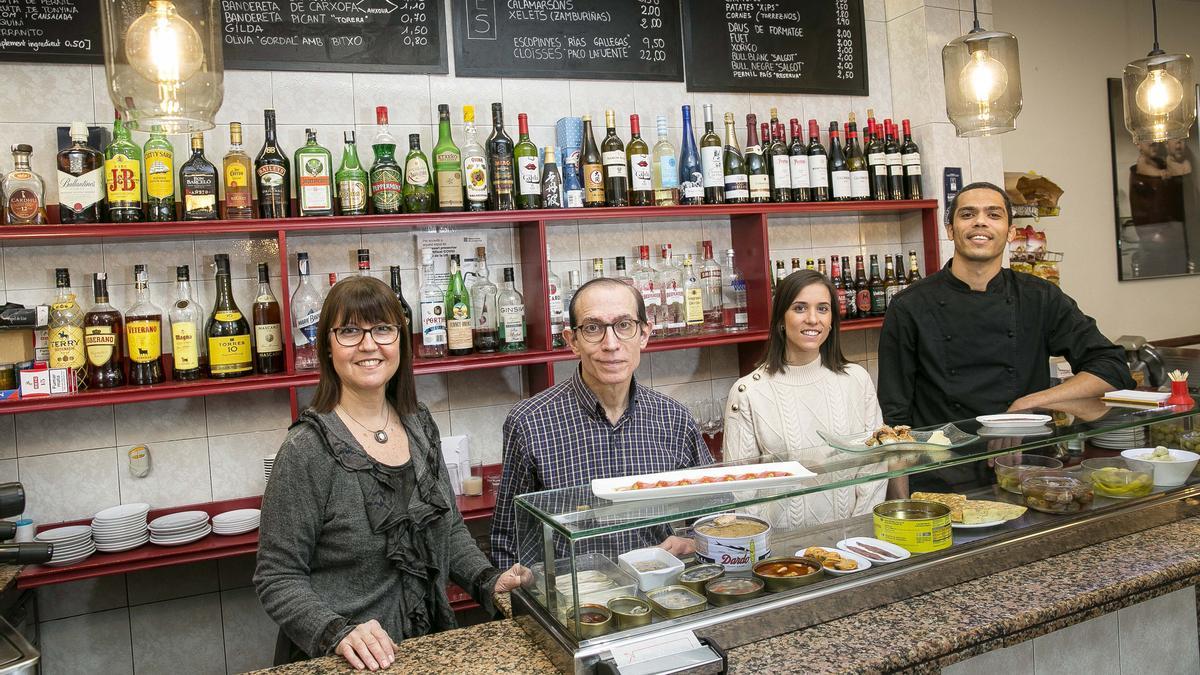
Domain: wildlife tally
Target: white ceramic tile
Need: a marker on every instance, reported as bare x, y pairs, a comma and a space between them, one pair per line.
169, 420
1089, 647
236, 462
179, 474
835, 230
433, 391
716, 230
247, 94
406, 98
390, 248
8, 437
197, 645
87, 596
966, 21
723, 361
721, 388
684, 235
32, 267
69, 485
52, 93
313, 98
678, 366
789, 232
244, 256
872, 366
562, 239
593, 97
1015, 659
897, 8
942, 26
249, 632
1161, 631
164, 256
9, 471
75, 429
879, 72
326, 253
472, 389
909, 66
456, 92
485, 427
880, 229
987, 160
968, 5
726, 102
943, 4
544, 100
442, 420
609, 239
662, 98
873, 10
172, 582
854, 346
91, 643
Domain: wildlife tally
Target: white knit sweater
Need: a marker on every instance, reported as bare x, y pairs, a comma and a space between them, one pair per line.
780, 415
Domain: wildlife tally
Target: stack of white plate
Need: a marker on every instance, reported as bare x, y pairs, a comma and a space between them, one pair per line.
176, 529
1122, 439
71, 544
120, 528
268, 464
236, 522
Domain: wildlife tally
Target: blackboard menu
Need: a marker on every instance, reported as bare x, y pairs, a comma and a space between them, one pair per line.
58, 31
587, 39
788, 46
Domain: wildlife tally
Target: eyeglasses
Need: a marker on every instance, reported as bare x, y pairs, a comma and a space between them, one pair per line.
382, 334
625, 329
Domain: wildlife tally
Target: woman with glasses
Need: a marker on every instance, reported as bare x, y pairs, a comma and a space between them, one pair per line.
360, 531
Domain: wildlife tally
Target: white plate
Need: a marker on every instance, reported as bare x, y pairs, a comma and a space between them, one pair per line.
178, 541
122, 512
70, 561
64, 534
863, 563
1014, 421
977, 526
182, 519
128, 527
69, 551
897, 551
124, 546
1024, 432
607, 488
231, 532
236, 516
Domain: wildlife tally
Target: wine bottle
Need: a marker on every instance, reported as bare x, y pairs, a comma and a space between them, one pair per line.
529, 178
818, 165
616, 171
552, 184
593, 167
458, 309
398, 290
447, 165
860, 177
876, 160
143, 333
733, 166
268, 333
712, 159
910, 157
418, 185
798, 152
664, 167
273, 174
839, 171
474, 164
891, 153
759, 179
198, 182
103, 338
185, 328
637, 163
500, 163
781, 162
227, 332
691, 171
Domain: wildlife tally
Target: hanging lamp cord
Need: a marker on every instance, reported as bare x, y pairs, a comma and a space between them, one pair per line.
1154, 13
976, 28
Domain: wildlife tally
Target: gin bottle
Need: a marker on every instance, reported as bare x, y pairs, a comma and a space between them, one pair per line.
512, 315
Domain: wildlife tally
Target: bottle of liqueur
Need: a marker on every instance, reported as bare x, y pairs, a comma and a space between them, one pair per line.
839, 170
447, 165
781, 163
876, 161
268, 332
876, 288
236, 170
637, 156
23, 191
364, 262
484, 314
418, 186
910, 157
849, 290
712, 159
552, 184
693, 298
351, 179
616, 172
860, 177
66, 331
645, 280
474, 165
500, 163
839, 290
558, 310
798, 152
593, 167
664, 167
572, 184
901, 280
123, 176
525, 156
185, 329
890, 285
891, 154
597, 268
710, 285
862, 289
398, 289
737, 183
314, 178
198, 183
914, 270
432, 343
273, 174
818, 165
81, 197
619, 271
458, 312
691, 171
227, 332
755, 166
572, 287
512, 315
306, 314
103, 339
143, 333
735, 315
673, 312
385, 175
159, 157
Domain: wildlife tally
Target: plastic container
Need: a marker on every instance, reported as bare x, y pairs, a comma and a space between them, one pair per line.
638, 564
1012, 469
1114, 478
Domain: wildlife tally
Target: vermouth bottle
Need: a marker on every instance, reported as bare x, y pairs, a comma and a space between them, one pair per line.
81, 194
273, 174
66, 331
447, 165
185, 329
227, 331
143, 333
616, 170
104, 338
268, 332
500, 163
756, 170
458, 312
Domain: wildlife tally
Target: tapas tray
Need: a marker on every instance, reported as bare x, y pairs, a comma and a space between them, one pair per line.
687, 482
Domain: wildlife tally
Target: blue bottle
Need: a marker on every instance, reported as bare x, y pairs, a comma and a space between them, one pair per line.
691, 176
572, 187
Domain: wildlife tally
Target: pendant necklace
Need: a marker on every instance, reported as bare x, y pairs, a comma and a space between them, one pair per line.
379, 434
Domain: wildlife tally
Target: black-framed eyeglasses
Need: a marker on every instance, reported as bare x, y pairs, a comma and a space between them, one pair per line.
593, 331
351, 336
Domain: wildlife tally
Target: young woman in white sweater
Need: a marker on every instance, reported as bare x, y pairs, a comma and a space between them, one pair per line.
804, 383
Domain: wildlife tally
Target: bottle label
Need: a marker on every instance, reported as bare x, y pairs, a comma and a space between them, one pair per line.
433, 323
100, 343
184, 347
781, 167
531, 178
502, 176
673, 296
227, 316
863, 301
551, 189
760, 186
271, 185
668, 172
306, 329
841, 184
229, 354
877, 159
890, 292
694, 307
124, 178
741, 319
639, 172
593, 182
143, 340
24, 204
818, 171
450, 188
614, 164
693, 189
268, 338
199, 195
475, 175
237, 186
737, 185
799, 167
651, 297
386, 186
556, 306
714, 171
878, 300
512, 324
574, 199
895, 165
79, 193
416, 172
160, 174
316, 190
459, 332
352, 194
912, 159
912, 169
860, 184
66, 347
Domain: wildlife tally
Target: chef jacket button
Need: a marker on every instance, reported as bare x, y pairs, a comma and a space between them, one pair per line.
741, 387
953, 371
1011, 370
941, 303
1008, 300
734, 407
756, 376
1012, 333
947, 338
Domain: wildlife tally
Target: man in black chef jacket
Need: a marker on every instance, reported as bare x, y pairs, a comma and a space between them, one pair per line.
975, 338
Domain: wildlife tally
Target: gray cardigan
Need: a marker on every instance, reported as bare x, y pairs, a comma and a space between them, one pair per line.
321, 570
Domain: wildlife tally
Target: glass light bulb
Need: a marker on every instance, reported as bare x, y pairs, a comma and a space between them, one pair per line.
984, 79
163, 47
1160, 93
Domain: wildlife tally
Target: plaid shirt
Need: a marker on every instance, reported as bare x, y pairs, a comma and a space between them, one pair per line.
562, 438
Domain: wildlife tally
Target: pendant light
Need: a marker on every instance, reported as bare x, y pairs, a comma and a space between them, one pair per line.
164, 64
982, 74
1160, 93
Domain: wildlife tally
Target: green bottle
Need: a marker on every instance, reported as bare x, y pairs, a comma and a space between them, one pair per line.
159, 159
314, 178
418, 188
458, 312
525, 159
387, 183
351, 181
123, 177
447, 165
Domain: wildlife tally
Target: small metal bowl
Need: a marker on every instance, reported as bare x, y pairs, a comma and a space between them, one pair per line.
697, 577
694, 601
589, 629
776, 584
721, 592
630, 612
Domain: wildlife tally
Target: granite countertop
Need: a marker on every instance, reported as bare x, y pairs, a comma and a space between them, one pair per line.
8, 574
988, 613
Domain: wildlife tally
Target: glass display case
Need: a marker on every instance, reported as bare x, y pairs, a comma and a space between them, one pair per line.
986, 498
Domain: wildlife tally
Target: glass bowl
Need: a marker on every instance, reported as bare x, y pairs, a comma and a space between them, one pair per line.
1056, 493
1115, 478
1014, 468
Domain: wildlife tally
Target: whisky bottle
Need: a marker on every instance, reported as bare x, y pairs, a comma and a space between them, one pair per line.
486, 337
447, 165
103, 338
198, 182
593, 167
637, 164
268, 334
185, 328
143, 333
158, 155
23, 191
616, 171
81, 197
306, 314
418, 186
529, 178
458, 312
227, 332
123, 177
236, 170
500, 163
512, 315
387, 185
273, 174
404, 306
737, 183
314, 178
433, 312
474, 165
66, 331
351, 180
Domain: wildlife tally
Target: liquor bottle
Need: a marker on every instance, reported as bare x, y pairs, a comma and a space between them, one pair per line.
593, 167
397, 288
757, 172
81, 197
418, 187
910, 157
185, 318
891, 153
693, 299
552, 185
66, 331
386, 176
712, 159
890, 286
447, 165
123, 175
860, 177
849, 291
645, 280
198, 184
557, 309
597, 268
143, 332
525, 156
572, 185
901, 279
227, 331
839, 170
458, 311
664, 167
483, 306
616, 172
876, 289
333, 279
272, 174
103, 336
500, 163
862, 290
780, 272
569, 291
364, 262
158, 156
432, 343
22, 191
268, 333
512, 315
638, 167
235, 172
839, 290
876, 160
314, 178
781, 163
818, 165
691, 172
306, 314
820, 266
619, 272
711, 287
733, 167
351, 179
673, 312
733, 304
474, 165
914, 271
798, 151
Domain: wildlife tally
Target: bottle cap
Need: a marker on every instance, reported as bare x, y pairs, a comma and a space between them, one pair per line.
79, 131
443, 109
182, 273
381, 115
468, 113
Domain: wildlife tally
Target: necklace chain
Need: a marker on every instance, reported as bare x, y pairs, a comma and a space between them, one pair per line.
381, 433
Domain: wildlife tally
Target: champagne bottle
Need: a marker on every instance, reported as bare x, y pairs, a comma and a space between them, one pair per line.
227, 332
756, 171
733, 167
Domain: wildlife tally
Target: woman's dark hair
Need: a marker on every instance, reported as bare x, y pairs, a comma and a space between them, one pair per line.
775, 357
363, 300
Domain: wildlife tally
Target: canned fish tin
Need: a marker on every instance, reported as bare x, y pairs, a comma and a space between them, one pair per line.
735, 541
919, 526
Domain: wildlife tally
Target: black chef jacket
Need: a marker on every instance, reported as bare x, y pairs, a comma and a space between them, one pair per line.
948, 353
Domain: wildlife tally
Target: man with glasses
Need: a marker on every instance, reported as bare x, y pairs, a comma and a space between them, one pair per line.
601, 423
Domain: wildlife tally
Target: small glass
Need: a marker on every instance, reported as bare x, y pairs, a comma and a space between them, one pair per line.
473, 480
